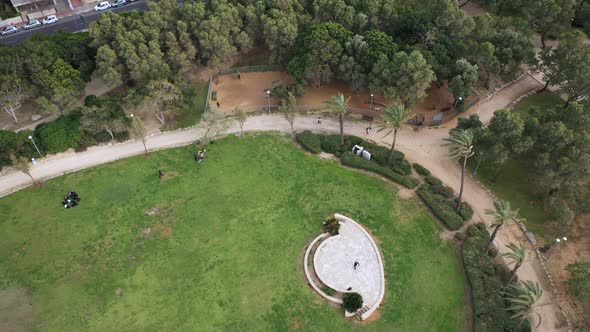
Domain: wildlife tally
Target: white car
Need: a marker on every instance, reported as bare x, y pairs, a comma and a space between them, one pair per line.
32, 24
118, 3
102, 6
9, 30
50, 19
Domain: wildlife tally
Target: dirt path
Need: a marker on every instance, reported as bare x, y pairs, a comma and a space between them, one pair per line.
423, 147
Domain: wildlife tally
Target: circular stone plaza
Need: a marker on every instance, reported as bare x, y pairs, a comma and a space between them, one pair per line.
347, 262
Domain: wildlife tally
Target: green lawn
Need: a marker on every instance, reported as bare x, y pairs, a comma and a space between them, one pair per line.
546, 99
513, 183
193, 106
224, 249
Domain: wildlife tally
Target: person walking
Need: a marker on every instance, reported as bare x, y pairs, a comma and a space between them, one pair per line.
319, 121
160, 173
239, 77
218, 104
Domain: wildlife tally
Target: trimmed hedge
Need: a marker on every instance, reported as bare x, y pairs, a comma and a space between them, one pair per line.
485, 279
421, 170
466, 211
309, 141
441, 208
61, 134
402, 167
350, 159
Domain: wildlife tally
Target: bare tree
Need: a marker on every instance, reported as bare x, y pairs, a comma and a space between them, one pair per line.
241, 118
290, 111
22, 164
138, 131
95, 120
161, 99
213, 121
12, 92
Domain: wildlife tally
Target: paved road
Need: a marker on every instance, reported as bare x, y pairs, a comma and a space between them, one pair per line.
72, 23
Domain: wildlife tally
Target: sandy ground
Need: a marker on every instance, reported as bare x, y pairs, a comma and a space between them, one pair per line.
422, 146
249, 94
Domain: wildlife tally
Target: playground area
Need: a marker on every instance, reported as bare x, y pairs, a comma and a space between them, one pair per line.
248, 92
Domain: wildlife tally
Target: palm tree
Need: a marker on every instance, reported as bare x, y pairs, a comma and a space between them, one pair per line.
395, 116
523, 300
517, 256
460, 143
338, 104
502, 214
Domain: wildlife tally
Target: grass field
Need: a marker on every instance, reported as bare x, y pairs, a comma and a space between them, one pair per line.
513, 184
223, 250
193, 106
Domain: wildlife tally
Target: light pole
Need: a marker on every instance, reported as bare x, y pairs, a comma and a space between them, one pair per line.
268, 98
371, 107
457, 101
478, 161
33, 161
35, 144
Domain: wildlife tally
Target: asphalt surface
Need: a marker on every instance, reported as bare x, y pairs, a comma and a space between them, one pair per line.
72, 23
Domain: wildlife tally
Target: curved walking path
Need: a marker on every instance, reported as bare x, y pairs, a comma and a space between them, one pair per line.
423, 147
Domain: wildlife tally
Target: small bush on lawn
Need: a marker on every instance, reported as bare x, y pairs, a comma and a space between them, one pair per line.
332, 226
441, 208
421, 170
352, 302
485, 278
309, 141
350, 159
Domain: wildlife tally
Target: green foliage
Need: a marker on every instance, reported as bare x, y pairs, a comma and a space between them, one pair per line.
329, 291
472, 122
281, 90
352, 160
331, 226
15, 143
441, 208
466, 76
310, 141
378, 44
402, 167
488, 305
352, 302
421, 170
61, 134
578, 283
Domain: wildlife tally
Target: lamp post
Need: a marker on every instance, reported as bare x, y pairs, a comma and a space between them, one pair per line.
478, 162
457, 101
35, 144
33, 161
371, 107
268, 98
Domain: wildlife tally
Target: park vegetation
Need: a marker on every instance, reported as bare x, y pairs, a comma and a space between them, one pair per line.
556, 147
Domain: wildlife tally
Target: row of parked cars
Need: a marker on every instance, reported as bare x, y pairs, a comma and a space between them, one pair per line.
34, 23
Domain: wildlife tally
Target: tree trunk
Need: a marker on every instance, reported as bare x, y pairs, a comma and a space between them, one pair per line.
393, 145
341, 120
144, 146
241, 132
545, 87
160, 116
487, 77
464, 3
459, 200
110, 133
492, 238
543, 41
496, 174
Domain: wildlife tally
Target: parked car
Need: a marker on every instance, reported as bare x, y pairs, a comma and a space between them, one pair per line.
118, 3
102, 6
50, 19
32, 24
9, 30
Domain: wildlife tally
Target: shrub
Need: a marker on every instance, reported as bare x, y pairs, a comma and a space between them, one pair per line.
352, 302
122, 136
331, 144
332, 226
350, 159
441, 208
466, 211
433, 180
578, 283
91, 100
402, 167
309, 141
460, 236
442, 190
493, 252
61, 134
329, 291
421, 170
484, 277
